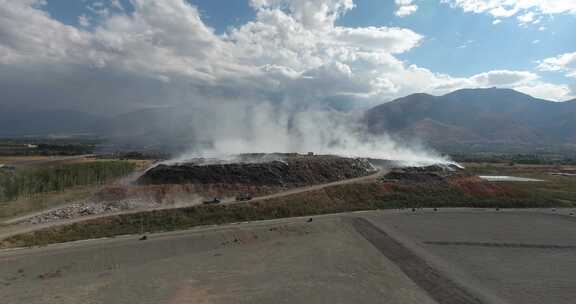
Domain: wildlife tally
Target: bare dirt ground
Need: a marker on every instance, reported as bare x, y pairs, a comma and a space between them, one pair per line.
395, 256
281, 261
515, 256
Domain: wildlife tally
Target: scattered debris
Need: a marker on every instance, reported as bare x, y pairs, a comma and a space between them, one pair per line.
283, 170
88, 208
429, 174
50, 275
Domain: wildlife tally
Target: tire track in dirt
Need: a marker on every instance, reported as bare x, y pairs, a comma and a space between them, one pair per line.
500, 245
441, 288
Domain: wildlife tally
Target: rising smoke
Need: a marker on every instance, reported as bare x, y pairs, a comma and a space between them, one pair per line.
231, 129
262, 86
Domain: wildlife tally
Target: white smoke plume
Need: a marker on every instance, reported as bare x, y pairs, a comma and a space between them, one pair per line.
266, 85
267, 128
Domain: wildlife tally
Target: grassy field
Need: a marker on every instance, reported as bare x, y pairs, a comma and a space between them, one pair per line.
343, 198
45, 201
29, 183
554, 187
10, 159
41, 188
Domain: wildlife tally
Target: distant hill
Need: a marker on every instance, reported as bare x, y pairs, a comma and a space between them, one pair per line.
479, 116
472, 117
153, 127
22, 122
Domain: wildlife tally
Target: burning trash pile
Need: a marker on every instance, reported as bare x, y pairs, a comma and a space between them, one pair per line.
288, 171
439, 173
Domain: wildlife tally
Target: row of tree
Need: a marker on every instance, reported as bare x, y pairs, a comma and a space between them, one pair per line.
24, 184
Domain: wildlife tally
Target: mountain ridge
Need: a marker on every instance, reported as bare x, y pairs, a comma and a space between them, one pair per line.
463, 117
486, 115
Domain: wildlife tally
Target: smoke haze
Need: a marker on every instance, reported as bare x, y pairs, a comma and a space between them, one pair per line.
266, 128
270, 84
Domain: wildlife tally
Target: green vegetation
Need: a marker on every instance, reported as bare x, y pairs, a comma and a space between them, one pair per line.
135, 155
46, 147
29, 183
22, 206
516, 158
554, 187
343, 198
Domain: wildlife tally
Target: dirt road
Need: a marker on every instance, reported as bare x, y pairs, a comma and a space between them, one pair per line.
12, 228
374, 176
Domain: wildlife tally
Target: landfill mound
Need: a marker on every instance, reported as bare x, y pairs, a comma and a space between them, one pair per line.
287, 171
439, 173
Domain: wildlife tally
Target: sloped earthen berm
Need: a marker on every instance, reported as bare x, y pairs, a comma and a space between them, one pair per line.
285, 171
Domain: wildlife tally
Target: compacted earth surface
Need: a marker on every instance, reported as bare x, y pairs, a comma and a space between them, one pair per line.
523, 256
284, 261
394, 256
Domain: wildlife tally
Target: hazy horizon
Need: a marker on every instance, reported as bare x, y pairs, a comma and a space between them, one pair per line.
255, 73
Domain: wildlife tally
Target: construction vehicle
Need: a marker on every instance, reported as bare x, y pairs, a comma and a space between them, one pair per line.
213, 201
243, 197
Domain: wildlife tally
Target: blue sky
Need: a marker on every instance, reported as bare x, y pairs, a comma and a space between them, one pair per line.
95, 55
455, 42
506, 45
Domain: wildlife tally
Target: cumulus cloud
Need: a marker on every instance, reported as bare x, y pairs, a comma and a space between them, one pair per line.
291, 49
502, 78
526, 18
527, 11
84, 21
561, 63
548, 91
405, 8
381, 39
523, 81
311, 14
292, 58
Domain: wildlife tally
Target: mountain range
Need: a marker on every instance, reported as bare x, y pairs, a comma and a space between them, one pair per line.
464, 117
477, 116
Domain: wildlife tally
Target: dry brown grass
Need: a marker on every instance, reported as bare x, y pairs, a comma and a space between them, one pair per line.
10, 159
44, 201
341, 198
